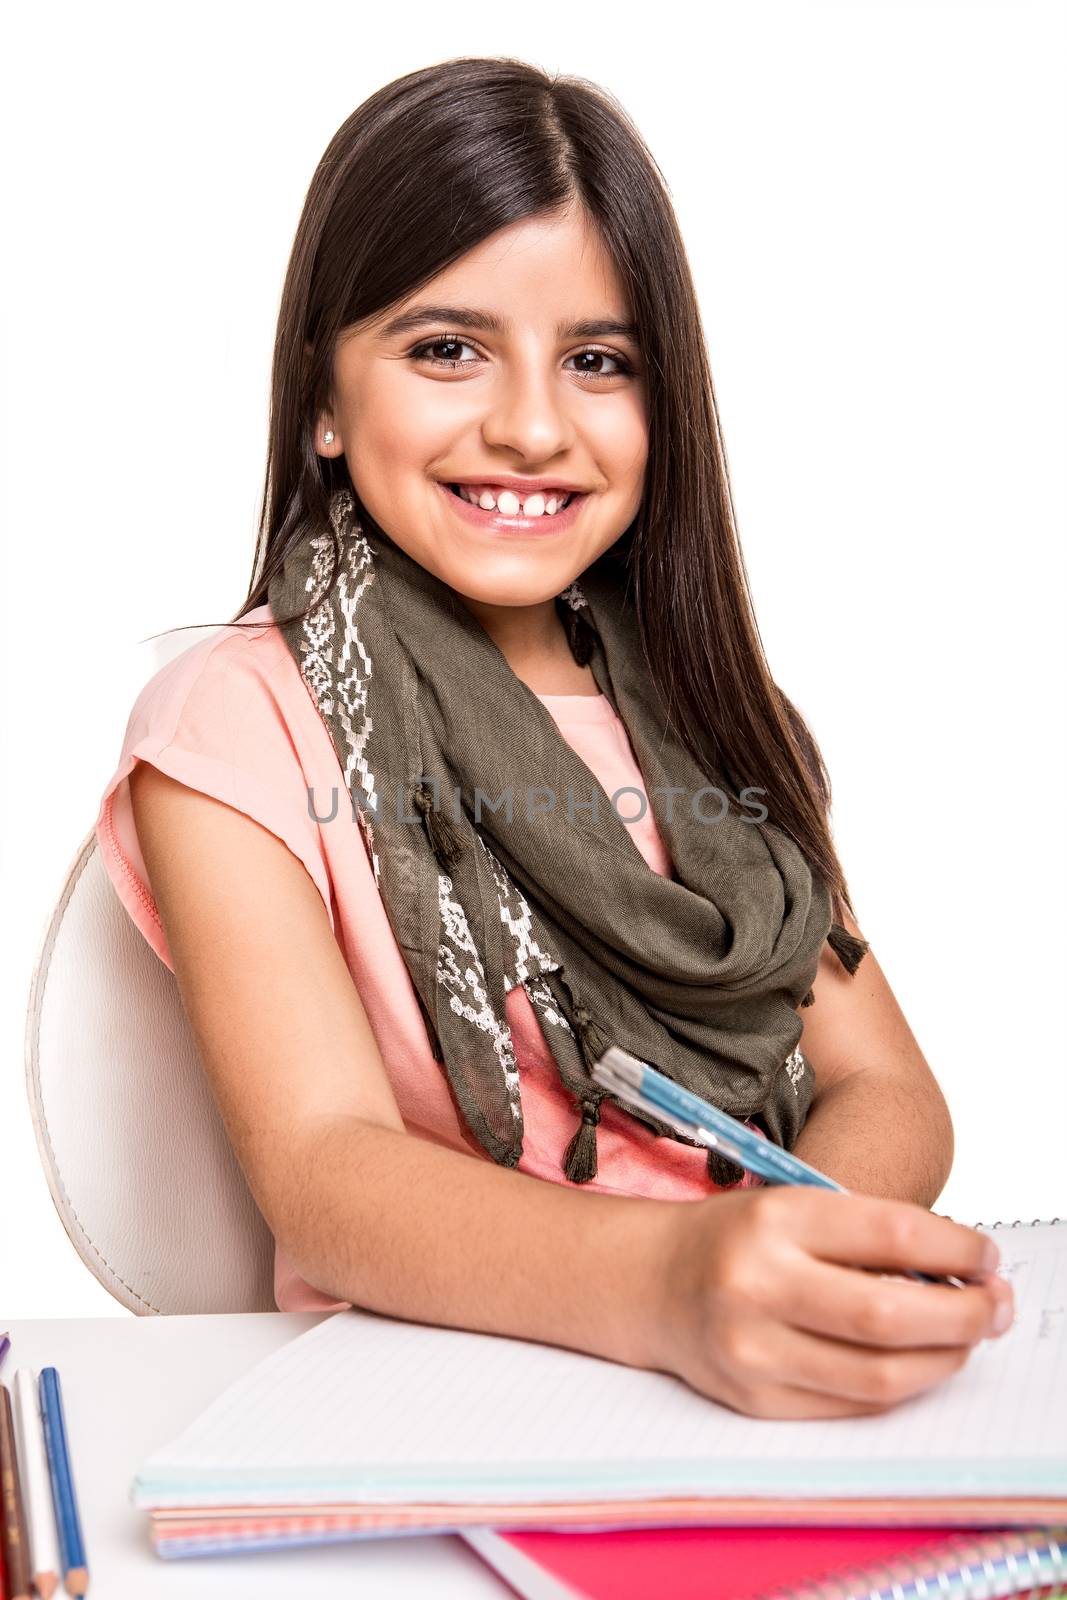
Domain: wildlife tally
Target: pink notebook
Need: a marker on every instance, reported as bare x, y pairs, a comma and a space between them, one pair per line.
771, 1562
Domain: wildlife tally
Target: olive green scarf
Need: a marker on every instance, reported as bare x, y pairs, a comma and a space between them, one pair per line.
701, 975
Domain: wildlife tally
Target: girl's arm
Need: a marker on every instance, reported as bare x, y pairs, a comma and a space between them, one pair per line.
879, 1122
751, 1296
364, 1211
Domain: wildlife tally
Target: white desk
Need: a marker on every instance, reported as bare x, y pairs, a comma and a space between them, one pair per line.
132, 1384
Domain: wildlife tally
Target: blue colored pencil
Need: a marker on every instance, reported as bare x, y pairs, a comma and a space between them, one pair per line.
71, 1545
5, 1346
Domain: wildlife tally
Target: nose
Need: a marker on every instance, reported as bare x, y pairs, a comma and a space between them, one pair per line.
527, 412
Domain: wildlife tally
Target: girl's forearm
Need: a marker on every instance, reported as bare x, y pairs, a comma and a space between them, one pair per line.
881, 1137
407, 1228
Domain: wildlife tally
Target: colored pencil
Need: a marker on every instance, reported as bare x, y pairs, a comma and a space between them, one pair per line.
5, 1346
36, 1488
71, 1545
16, 1547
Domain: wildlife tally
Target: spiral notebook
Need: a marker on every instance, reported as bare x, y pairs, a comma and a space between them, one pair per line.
367, 1426
779, 1563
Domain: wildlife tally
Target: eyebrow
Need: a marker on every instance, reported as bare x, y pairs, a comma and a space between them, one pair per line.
489, 322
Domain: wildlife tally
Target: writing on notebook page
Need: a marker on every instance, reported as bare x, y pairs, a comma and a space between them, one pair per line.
1050, 1328
1040, 1283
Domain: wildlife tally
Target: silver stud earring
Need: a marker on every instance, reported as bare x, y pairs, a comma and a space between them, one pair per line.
327, 437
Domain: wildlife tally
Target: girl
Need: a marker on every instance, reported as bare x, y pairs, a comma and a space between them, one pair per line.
368, 826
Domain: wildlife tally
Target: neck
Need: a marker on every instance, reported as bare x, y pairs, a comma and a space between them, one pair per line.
534, 644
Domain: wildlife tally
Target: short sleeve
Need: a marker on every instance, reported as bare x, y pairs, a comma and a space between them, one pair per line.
213, 720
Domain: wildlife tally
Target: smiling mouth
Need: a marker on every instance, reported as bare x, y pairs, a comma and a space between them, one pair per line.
557, 500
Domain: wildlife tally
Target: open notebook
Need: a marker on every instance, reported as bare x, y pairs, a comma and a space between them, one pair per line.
366, 1424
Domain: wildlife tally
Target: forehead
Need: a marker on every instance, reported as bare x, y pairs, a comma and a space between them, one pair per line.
550, 271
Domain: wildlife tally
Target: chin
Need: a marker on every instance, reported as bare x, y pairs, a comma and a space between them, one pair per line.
504, 589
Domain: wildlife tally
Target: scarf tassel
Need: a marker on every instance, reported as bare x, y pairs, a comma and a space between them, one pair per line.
849, 950
593, 1040
581, 635
445, 841
579, 1162
723, 1173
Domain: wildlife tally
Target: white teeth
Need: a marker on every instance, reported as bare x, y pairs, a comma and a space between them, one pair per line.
507, 502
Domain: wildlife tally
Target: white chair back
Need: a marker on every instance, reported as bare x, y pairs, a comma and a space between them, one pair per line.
135, 1152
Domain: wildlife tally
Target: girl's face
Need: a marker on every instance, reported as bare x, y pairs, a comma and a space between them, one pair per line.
513, 363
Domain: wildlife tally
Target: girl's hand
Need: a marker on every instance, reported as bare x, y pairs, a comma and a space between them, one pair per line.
765, 1311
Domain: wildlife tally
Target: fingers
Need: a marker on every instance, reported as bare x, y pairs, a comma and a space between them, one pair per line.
786, 1403
787, 1372
859, 1308
786, 1326
864, 1376
866, 1231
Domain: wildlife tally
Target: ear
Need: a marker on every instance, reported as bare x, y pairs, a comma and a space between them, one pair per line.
324, 424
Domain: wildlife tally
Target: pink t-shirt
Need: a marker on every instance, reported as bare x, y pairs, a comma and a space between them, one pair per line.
232, 717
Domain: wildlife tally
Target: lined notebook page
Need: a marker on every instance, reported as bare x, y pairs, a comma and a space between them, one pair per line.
365, 1408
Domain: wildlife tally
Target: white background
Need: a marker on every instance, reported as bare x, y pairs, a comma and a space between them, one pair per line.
873, 199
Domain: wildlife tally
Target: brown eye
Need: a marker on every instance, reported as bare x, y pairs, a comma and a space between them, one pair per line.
623, 367
430, 348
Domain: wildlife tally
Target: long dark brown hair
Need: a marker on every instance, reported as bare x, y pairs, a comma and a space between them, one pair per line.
420, 173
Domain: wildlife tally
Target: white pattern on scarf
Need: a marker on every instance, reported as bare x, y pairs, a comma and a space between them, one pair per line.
518, 921
467, 989
341, 683
795, 1066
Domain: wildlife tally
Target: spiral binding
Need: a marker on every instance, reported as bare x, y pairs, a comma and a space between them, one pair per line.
1020, 1222
1023, 1566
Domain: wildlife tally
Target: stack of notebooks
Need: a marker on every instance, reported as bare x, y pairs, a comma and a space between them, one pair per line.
367, 1426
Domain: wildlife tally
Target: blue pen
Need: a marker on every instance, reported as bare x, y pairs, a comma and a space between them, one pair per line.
645, 1089
57, 1449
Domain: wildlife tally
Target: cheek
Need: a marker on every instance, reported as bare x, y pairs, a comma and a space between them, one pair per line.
619, 438
400, 426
